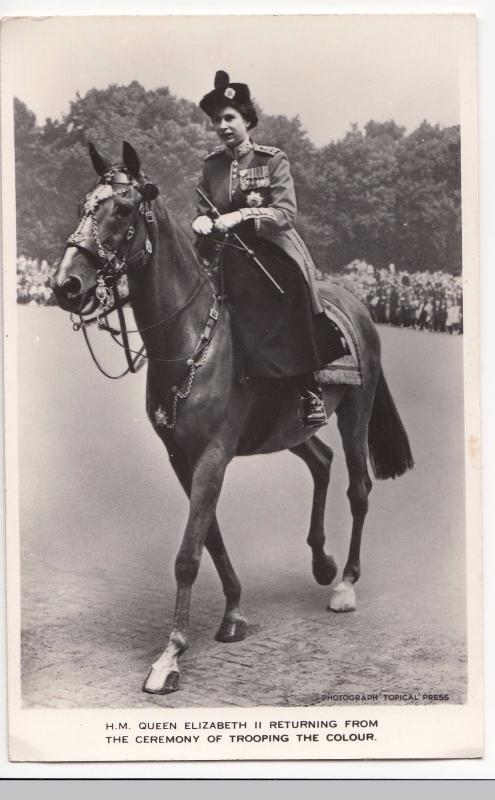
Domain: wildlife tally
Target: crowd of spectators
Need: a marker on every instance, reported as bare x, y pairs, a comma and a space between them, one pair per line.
33, 282
430, 301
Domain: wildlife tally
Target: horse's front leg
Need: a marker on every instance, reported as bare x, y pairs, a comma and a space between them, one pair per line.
207, 479
233, 627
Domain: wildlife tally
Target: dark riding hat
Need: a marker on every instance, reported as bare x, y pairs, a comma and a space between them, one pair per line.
226, 93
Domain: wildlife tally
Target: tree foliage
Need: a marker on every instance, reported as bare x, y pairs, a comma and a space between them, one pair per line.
377, 194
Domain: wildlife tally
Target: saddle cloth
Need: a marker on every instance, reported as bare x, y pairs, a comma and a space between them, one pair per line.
346, 370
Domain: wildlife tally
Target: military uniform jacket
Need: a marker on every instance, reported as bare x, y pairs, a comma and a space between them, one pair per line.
256, 180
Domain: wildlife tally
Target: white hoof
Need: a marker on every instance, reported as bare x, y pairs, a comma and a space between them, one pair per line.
343, 597
163, 676
159, 682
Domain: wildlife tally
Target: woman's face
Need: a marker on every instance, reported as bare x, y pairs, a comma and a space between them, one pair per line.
230, 126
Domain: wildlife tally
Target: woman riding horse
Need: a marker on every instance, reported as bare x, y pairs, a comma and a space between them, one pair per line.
248, 188
194, 399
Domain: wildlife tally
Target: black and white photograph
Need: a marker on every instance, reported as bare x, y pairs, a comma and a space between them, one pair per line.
241, 295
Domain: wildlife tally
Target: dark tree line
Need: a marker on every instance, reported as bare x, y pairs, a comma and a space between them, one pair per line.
377, 194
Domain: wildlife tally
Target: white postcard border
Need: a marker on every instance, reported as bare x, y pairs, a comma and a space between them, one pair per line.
29, 717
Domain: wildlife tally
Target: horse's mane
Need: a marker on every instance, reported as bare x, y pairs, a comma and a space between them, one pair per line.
181, 245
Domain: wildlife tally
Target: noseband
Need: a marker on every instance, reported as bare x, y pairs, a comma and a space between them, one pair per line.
112, 264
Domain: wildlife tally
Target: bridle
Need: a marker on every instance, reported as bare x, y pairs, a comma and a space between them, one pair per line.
113, 265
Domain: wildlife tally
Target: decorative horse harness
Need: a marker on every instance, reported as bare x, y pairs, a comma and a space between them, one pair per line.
113, 265
86, 237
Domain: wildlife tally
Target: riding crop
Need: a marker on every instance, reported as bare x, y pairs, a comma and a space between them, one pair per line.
243, 246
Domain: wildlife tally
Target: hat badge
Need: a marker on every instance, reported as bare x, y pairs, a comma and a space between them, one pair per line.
230, 93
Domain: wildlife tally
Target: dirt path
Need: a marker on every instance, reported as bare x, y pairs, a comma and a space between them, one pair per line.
101, 521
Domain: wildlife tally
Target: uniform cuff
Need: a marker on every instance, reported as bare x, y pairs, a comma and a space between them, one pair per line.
258, 214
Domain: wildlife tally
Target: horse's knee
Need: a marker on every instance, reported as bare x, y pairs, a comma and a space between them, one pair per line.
186, 568
358, 496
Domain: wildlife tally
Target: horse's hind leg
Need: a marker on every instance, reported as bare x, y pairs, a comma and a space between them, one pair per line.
318, 456
352, 419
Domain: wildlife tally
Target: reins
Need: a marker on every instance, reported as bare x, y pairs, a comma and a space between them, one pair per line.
134, 366
193, 360
83, 324
140, 356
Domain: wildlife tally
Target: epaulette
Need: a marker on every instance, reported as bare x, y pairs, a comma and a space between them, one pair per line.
264, 148
215, 152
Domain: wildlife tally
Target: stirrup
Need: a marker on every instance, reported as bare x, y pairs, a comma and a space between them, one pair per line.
313, 409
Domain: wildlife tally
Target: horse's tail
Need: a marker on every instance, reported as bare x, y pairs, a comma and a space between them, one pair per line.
389, 449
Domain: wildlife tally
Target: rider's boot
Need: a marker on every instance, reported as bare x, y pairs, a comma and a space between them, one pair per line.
313, 413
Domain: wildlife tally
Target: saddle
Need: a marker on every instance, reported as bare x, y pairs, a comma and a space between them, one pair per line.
334, 331
346, 369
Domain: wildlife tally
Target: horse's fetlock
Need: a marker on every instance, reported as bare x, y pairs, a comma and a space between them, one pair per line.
234, 615
179, 641
233, 596
317, 544
352, 573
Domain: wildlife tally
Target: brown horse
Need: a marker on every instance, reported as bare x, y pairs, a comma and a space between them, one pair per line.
196, 403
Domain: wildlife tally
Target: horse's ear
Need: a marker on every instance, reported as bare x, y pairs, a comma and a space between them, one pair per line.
131, 159
100, 163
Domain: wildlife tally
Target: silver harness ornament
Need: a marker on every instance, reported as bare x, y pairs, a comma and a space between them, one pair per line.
112, 266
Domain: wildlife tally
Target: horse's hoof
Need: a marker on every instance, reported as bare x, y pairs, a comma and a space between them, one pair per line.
324, 570
232, 631
171, 683
343, 598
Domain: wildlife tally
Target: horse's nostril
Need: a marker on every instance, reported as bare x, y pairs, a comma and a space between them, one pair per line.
71, 287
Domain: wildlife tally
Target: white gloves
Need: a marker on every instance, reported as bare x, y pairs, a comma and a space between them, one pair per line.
202, 225
225, 222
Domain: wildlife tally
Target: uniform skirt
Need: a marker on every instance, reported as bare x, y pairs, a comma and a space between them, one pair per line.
276, 336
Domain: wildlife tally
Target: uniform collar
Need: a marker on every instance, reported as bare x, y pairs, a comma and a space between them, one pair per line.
240, 151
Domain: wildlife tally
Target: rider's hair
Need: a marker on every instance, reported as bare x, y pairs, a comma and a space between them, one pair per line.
247, 110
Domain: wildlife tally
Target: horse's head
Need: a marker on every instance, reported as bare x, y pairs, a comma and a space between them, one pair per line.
113, 234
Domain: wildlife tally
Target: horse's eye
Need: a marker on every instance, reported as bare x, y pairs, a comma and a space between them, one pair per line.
123, 211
